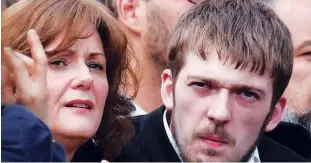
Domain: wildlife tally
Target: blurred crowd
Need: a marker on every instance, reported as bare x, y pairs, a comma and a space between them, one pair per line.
156, 80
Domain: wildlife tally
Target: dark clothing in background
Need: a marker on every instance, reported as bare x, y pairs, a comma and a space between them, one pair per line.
25, 138
293, 136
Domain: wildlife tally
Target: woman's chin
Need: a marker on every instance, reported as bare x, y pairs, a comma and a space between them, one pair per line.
76, 126
75, 131
80, 133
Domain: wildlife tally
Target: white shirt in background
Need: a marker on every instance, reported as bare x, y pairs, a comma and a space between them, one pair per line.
138, 111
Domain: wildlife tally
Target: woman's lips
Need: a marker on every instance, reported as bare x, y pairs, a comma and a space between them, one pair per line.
79, 103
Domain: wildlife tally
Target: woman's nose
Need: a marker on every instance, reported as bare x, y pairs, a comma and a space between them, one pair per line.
83, 79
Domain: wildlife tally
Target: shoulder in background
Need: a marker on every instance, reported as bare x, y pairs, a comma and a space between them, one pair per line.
293, 136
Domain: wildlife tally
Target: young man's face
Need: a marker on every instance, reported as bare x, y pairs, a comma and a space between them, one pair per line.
218, 111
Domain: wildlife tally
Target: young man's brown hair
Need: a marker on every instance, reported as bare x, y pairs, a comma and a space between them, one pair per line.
254, 38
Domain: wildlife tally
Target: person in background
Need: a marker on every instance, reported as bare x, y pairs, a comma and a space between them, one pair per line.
297, 16
229, 64
74, 84
149, 24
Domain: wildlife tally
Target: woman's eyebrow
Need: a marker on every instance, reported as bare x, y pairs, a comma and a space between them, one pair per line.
53, 52
93, 54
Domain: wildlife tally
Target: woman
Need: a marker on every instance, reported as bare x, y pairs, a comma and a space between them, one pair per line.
84, 67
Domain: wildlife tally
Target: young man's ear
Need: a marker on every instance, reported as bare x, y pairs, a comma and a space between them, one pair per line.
277, 114
167, 89
128, 11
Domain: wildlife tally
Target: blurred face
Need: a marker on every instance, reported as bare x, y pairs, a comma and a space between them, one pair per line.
297, 16
218, 111
161, 19
78, 87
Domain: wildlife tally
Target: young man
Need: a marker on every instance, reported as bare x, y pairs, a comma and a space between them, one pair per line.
149, 24
229, 63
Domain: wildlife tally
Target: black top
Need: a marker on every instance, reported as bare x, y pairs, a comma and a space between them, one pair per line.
88, 152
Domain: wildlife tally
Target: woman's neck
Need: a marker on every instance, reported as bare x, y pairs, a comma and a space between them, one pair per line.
71, 144
69, 154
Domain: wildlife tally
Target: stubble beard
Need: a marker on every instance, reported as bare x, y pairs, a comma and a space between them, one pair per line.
184, 152
303, 118
157, 38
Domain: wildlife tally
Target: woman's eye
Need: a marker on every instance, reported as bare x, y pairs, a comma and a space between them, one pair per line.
96, 66
58, 63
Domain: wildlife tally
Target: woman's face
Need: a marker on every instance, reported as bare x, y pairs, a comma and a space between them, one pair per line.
78, 86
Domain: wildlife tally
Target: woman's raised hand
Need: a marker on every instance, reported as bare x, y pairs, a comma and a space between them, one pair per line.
28, 76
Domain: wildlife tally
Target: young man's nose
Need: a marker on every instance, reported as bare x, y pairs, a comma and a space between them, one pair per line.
220, 110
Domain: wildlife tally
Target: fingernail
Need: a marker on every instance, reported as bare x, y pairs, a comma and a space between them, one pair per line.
33, 33
49, 49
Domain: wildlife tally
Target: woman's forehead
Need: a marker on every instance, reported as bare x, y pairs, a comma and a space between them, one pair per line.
67, 37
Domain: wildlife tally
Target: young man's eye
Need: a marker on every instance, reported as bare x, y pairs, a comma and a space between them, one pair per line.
249, 94
200, 85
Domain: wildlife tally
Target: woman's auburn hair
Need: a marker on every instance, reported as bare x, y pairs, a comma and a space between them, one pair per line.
50, 17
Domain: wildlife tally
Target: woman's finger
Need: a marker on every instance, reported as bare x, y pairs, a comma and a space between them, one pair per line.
38, 55
40, 76
7, 95
16, 65
7, 86
6, 76
29, 63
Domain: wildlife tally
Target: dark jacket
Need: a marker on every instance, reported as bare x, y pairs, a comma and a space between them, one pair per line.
293, 136
151, 144
26, 138
88, 152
